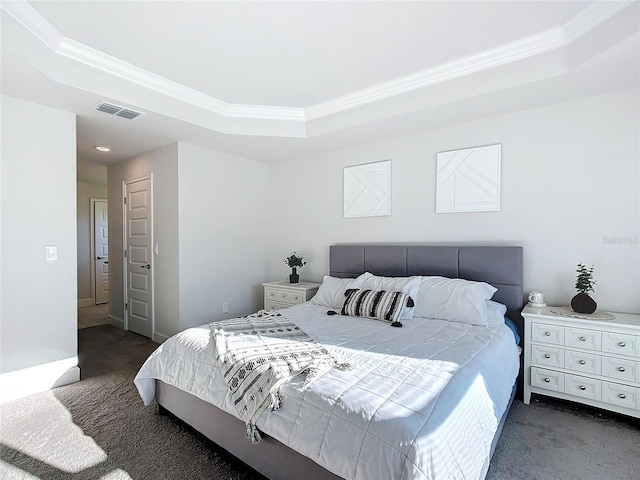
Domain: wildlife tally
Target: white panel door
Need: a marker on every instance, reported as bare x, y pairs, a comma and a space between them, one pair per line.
101, 249
139, 309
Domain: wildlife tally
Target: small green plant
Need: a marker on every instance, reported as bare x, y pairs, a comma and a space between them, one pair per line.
585, 281
295, 260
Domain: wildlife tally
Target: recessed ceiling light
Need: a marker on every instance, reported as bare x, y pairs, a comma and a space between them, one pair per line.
102, 148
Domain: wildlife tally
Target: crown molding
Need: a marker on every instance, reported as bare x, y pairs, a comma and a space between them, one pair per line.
591, 17
543, 42
37, 25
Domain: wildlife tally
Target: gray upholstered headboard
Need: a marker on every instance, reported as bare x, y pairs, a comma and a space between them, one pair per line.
499, 266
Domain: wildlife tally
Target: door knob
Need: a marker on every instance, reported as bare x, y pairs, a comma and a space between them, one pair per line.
147, 266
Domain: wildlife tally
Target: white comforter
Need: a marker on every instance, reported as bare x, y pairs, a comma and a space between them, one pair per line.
422, 401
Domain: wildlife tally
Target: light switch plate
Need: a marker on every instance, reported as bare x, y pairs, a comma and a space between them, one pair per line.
51, 253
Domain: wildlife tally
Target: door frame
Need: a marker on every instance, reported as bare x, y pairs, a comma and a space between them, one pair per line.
125, 272
92, 244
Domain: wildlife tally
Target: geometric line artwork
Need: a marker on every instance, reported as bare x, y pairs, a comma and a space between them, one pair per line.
367, 190
468, 180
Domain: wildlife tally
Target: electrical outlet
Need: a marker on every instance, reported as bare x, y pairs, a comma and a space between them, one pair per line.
225, 307
51, 253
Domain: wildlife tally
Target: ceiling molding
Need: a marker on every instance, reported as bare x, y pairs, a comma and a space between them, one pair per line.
591, 17
528, 47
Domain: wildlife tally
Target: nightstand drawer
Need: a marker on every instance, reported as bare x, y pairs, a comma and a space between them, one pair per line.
542, 332
584, 387
271, 305
619, 343
619, 368
549, 356
582, 362
582, 338
622, 395
295, 298
547, 379
271, 294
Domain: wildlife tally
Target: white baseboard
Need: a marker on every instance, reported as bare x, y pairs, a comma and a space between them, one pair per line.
27, 381
116, 322
160, 338
85, 302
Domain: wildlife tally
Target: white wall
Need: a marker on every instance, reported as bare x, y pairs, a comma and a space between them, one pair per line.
86, 191
38, 327
224, 241
570, 193
163, 164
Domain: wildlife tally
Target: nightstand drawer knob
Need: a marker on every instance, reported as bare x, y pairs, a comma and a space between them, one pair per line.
622, 344
621, 369
547, 334
622, 395
283, 296
582, 387
547, 380
546, 355
583, 339
582, 362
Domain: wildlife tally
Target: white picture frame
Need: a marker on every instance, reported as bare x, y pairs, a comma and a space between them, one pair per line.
367, 190
468, 180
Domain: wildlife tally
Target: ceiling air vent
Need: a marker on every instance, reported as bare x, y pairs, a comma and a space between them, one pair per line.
117, 110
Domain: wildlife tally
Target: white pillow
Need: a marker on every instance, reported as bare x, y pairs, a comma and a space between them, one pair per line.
454, 299
408, 285
331, 291
495, 312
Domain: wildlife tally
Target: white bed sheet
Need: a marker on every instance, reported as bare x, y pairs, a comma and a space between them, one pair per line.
422, 402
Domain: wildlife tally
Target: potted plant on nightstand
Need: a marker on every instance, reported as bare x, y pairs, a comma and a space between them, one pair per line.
294, 261
582, 302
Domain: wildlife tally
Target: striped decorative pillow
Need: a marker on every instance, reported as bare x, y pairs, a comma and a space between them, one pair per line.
381, 304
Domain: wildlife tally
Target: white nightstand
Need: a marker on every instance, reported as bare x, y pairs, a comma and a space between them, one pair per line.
282, 294
596, 362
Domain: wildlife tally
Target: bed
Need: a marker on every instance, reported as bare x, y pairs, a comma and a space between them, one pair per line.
394, 415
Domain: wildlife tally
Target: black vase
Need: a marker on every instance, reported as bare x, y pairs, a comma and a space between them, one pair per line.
294, 277
583, 303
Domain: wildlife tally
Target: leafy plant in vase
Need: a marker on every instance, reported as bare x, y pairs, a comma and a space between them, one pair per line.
294, 261
582, 302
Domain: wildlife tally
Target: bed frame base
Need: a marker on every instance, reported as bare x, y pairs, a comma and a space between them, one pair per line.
271, 458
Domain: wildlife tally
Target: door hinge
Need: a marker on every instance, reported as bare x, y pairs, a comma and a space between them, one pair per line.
125, 200
126, 306
125, 254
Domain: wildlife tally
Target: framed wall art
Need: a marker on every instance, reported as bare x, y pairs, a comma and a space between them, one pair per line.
468, 180
367, 190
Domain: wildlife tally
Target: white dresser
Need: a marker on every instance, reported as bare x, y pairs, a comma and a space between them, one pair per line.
596, 362
281, 294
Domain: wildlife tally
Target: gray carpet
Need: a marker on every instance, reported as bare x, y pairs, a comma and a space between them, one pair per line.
98, 429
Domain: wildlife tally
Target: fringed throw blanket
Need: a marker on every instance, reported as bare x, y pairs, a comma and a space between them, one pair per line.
260, 352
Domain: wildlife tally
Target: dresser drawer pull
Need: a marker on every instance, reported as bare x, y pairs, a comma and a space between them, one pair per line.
621, 369
546, 355
622, 395
622, 344
547, 334
547, 379
582, 387
583, 339
283, 295
582, 362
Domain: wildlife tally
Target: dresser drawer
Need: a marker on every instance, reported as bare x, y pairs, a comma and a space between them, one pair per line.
547, 379
545, 355
619, 343
583, 387
582, 338
620, 368
582, 362
270, 294
621, 395
544, 333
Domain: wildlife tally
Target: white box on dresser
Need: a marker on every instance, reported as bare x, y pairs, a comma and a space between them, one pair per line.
281, 294
595, 362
